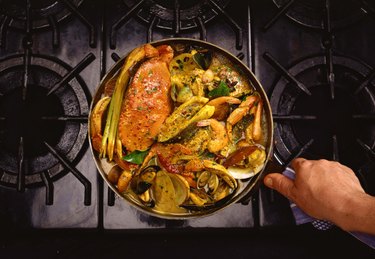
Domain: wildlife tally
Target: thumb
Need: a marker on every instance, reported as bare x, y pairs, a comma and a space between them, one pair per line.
280, 183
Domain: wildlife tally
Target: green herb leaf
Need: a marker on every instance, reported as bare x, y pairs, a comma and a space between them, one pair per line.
203, 60
221, 90
136, 157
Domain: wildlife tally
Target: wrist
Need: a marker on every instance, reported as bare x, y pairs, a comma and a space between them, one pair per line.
358, 214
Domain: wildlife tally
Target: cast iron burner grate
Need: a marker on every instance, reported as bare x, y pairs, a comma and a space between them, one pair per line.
41, 14
339, 127
176, 16
317, 13
43, 124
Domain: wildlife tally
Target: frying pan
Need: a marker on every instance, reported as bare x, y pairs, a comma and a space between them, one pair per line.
246, 187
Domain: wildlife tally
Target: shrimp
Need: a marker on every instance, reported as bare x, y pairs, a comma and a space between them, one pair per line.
239, 113
221, 105
219, 138
257, 128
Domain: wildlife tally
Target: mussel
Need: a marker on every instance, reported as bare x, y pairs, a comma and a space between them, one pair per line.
143, 181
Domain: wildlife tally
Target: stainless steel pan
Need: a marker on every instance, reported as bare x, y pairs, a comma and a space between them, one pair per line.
247, 187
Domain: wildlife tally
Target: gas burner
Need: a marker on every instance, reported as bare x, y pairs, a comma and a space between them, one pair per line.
176, 16
338, 127
317, 13
36, 14
43, 127
43, 12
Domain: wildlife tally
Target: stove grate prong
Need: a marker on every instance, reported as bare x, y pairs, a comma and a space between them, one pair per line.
277, 117
282, 11
73, 73
83, 19
177, 17
111, 197
327, 43
150, 29
366, 81
238, 30
67, 164
367, 149
55, 31
299, 152
367, 8
268, 57
81, 118
115, 57
4, 25
335, 148
27, 44
117, 25
202, 28
49, 187
21, 166
364, 116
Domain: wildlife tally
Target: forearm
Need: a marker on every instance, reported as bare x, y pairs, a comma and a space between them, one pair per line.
358, 214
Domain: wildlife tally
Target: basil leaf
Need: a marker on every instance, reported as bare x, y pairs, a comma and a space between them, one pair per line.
136, 157
221, 90
203, 60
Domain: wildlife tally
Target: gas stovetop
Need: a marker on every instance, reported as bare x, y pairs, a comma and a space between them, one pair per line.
315, 59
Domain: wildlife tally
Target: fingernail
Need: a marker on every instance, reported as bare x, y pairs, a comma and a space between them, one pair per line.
268, 182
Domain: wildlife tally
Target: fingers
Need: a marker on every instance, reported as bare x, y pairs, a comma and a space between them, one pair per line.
280, 183
298, 162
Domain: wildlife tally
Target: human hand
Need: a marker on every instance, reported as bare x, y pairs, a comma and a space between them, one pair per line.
323, 189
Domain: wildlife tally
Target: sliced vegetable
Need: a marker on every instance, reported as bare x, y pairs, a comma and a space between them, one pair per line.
136, 157
189, 112
97, 116
182, 63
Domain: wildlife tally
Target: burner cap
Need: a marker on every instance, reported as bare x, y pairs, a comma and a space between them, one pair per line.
39, 118
336, 124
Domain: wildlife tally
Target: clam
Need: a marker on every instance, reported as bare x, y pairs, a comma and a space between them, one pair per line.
208, 181
164, 193
213, 183
181, 187
220, 171
203, 179
199, 197
223, 190
251, 165
199, 200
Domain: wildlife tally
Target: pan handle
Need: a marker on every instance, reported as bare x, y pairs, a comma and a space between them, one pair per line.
273, 166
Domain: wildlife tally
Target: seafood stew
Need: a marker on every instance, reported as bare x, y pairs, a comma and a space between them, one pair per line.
179, 129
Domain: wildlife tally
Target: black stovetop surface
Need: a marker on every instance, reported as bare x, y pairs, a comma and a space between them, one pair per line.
67, 46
